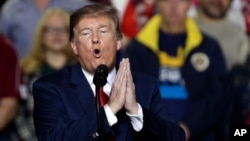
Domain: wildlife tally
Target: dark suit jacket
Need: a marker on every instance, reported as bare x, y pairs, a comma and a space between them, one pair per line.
65, 110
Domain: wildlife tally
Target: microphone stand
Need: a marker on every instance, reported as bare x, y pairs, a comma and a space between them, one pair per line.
100, 79
99, 122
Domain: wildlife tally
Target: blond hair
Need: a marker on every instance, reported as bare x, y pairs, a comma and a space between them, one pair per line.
36, 57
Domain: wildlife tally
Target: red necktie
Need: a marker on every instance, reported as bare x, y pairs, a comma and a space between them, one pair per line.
103, 100
103, 97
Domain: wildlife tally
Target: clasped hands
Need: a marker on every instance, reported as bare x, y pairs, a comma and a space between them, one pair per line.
123, 90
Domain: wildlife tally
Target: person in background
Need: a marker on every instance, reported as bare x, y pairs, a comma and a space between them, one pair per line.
9, 87
212, 19
50, 52
240, 74
190, 67
65, 105
19, 18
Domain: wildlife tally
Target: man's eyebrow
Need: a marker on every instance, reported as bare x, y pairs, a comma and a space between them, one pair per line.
103, 26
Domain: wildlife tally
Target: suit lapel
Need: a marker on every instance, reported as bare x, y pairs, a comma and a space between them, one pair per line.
83, 93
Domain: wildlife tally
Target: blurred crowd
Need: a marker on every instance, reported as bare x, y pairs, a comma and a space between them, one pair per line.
197, 49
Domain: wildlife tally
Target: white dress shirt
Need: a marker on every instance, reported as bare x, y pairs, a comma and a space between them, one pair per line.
136, 120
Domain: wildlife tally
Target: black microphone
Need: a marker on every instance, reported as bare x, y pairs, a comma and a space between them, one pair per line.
100, 79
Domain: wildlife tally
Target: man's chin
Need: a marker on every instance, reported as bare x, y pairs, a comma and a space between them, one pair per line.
216, 14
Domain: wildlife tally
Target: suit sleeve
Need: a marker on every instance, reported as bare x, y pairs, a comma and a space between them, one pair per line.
50, 119
158, 125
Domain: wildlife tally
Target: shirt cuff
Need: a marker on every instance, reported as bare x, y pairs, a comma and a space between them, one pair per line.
137, 120
112, 119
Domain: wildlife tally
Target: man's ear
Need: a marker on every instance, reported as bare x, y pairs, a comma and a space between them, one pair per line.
74, 47
118, 44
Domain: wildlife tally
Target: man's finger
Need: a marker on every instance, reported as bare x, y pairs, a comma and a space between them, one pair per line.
119, 73
129, 74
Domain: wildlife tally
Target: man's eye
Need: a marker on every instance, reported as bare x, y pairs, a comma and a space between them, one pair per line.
84, 34
104, 31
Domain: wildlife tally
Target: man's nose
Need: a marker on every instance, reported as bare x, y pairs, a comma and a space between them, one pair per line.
95, 38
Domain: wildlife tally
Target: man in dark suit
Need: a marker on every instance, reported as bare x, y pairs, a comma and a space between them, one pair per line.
65, 101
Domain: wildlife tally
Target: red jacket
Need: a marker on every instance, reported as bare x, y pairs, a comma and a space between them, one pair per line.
9, 69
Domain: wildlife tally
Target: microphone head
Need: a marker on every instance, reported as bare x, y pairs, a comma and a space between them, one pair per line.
100, 76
